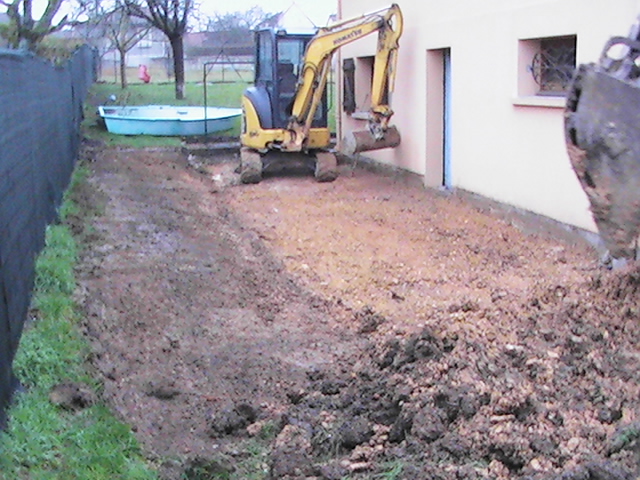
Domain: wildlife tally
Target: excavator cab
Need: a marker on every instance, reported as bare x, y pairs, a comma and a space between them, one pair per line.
279, 59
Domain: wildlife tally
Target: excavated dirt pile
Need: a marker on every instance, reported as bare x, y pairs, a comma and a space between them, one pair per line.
363, 329
562, 399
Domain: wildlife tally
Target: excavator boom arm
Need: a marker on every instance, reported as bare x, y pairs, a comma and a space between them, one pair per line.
388, 22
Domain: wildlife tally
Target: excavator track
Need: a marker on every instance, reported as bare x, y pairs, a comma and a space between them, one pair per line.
250, 166
326, 167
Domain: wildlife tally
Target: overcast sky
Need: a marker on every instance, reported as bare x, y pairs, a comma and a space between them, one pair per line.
318, 11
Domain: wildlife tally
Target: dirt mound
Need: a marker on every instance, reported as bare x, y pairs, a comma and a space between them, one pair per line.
364, 328
560, 404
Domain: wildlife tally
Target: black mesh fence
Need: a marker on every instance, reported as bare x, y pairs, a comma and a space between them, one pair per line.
40, 114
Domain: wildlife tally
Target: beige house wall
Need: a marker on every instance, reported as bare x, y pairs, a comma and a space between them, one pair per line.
506, 143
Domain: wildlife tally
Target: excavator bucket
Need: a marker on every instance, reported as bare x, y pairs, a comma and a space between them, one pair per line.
364, 141
602, 132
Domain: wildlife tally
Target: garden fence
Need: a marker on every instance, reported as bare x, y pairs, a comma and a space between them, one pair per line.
40, 115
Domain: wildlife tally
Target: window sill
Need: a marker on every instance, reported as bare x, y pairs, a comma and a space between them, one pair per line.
541, 101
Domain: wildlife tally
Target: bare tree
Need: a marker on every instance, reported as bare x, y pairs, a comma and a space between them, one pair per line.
243, 21
124, 33
170, 17
27, 32
89, 22
238, 26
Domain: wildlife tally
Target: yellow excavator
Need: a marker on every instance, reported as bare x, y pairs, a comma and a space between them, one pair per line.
285, 111
602, 133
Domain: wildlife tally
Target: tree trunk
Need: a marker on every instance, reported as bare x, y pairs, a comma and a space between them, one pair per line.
123, 69
177, 48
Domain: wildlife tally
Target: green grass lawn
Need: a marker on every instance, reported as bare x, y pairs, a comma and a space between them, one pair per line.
218, 95
43, 440
160, 74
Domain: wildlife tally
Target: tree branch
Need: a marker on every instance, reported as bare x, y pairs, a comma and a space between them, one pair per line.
52, 8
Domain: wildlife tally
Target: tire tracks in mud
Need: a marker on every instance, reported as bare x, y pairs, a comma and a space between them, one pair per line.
202, 337
187, 311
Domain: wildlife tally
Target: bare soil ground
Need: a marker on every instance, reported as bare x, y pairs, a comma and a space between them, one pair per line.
366, 328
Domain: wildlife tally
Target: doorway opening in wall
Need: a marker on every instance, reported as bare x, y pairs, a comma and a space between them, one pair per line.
438, 171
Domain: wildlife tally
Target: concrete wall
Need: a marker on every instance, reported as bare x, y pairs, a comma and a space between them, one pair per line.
505, 143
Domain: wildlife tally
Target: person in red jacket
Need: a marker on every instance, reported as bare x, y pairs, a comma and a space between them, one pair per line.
143, 74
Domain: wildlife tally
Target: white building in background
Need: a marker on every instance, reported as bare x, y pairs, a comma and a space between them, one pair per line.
475, 109
153, 48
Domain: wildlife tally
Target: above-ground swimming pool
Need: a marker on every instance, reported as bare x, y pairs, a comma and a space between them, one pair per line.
167, 120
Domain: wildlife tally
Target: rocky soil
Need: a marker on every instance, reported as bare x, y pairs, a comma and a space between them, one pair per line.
364, 329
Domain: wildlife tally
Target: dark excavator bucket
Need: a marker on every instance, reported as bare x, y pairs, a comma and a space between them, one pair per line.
359, 141
602, 128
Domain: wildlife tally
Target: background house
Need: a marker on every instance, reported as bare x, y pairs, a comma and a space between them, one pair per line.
153, 48
222, 51
479, 94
